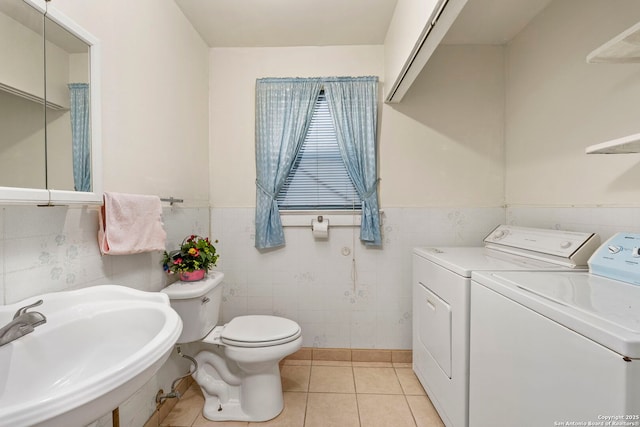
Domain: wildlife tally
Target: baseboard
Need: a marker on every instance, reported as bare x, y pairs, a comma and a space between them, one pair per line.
352, 355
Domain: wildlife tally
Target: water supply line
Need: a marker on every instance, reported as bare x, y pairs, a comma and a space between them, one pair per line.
160, 397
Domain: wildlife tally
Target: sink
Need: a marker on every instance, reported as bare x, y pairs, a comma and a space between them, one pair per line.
99, 346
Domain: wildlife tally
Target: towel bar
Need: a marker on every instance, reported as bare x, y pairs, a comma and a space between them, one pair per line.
171, 200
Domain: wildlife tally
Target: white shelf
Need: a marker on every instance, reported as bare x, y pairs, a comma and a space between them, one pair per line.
622, 49
624, 145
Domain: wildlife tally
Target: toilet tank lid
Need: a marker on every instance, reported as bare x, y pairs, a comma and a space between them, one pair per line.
186, 290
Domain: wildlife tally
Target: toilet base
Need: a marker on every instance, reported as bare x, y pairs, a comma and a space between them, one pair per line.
242, 390
261, 397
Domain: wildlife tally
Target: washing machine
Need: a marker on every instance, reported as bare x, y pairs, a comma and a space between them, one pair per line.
557, 348
441, 293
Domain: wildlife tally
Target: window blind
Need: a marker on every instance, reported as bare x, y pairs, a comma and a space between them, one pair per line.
319, 179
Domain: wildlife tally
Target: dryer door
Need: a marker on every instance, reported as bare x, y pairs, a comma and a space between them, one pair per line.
434, 327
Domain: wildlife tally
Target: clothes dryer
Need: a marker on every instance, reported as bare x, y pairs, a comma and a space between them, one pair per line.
441, 293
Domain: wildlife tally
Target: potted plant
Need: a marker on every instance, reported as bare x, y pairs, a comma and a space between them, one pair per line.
192, 261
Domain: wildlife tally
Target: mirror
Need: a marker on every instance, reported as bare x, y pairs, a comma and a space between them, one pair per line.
52, 152
22, 111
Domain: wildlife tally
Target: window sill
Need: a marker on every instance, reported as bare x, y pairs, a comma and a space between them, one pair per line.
336, 218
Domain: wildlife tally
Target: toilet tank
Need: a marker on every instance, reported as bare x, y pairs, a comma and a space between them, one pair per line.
197, 304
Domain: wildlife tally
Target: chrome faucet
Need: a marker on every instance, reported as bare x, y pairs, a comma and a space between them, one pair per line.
22, 324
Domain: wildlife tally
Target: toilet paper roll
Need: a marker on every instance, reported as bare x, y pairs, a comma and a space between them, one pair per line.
320, 229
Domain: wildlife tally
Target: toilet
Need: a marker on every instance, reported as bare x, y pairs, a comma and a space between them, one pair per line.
238, 368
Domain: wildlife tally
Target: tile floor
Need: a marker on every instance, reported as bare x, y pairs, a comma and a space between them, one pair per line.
332, 393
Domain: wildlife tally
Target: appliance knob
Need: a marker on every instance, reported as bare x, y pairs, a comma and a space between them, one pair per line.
499, 234
614, 249
565, 244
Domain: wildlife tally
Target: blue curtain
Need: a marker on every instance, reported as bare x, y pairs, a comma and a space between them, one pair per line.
353, 104
283, 112
80, 134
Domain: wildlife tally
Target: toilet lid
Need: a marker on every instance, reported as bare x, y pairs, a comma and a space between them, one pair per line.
259, 331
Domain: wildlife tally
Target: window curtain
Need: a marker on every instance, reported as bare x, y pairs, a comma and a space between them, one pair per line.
283, 112
353, 104
79, 96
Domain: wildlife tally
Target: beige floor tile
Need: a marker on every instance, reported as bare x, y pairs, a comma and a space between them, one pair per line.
331, 363
332, 379
201, 421
186, 410
423, 412
377, 410
332, 410
376, 381
373, 364
409, 382
296, 362
293, 413
295, 378
402, 365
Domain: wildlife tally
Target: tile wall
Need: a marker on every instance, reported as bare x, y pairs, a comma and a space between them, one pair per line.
54, 248
338, 303
49, 249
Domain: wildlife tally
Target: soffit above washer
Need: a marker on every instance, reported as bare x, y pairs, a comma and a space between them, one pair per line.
279, 23
493, 22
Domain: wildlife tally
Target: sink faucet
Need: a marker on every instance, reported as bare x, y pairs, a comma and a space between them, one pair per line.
22, 324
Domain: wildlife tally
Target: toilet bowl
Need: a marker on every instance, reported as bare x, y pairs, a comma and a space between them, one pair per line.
238, 369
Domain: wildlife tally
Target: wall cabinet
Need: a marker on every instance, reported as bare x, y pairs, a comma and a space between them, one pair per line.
50, 141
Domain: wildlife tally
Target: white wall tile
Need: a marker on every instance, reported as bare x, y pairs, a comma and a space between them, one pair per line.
311, 281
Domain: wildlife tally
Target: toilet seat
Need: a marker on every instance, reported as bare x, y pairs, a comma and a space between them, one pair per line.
255, 331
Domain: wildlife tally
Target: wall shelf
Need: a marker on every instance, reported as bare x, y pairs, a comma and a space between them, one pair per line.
624, 145
622, 49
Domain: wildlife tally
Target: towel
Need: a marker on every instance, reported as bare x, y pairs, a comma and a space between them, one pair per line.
130, 224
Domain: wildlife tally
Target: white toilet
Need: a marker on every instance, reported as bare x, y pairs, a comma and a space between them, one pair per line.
238, 368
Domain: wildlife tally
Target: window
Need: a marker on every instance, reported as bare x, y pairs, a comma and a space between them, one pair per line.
318, 178
284, 110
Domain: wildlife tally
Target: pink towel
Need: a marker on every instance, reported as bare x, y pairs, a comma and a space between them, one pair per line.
130, 224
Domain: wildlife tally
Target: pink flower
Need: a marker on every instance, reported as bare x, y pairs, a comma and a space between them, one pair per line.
178, 261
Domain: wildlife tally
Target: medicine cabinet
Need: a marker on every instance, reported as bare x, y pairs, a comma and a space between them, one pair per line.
50, 151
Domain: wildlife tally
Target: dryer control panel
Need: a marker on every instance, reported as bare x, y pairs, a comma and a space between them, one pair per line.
570, 248
618, 258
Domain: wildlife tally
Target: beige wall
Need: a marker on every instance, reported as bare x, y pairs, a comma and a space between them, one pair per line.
442, 147
232, 110
557, 105
154, 97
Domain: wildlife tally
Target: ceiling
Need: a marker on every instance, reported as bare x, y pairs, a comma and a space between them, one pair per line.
260, 23
276, 23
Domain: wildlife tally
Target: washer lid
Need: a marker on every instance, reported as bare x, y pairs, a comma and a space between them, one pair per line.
247, 331
604, 310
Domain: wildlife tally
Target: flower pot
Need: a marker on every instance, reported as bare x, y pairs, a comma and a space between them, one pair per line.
192, 276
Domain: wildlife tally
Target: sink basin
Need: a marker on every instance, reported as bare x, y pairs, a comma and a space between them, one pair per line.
98, 347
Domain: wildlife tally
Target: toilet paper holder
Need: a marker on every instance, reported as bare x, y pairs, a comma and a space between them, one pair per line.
320, 228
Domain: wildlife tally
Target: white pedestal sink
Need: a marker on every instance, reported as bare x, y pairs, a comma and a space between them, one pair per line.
99, 345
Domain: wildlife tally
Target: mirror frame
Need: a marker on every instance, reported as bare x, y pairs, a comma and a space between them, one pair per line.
11, 195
